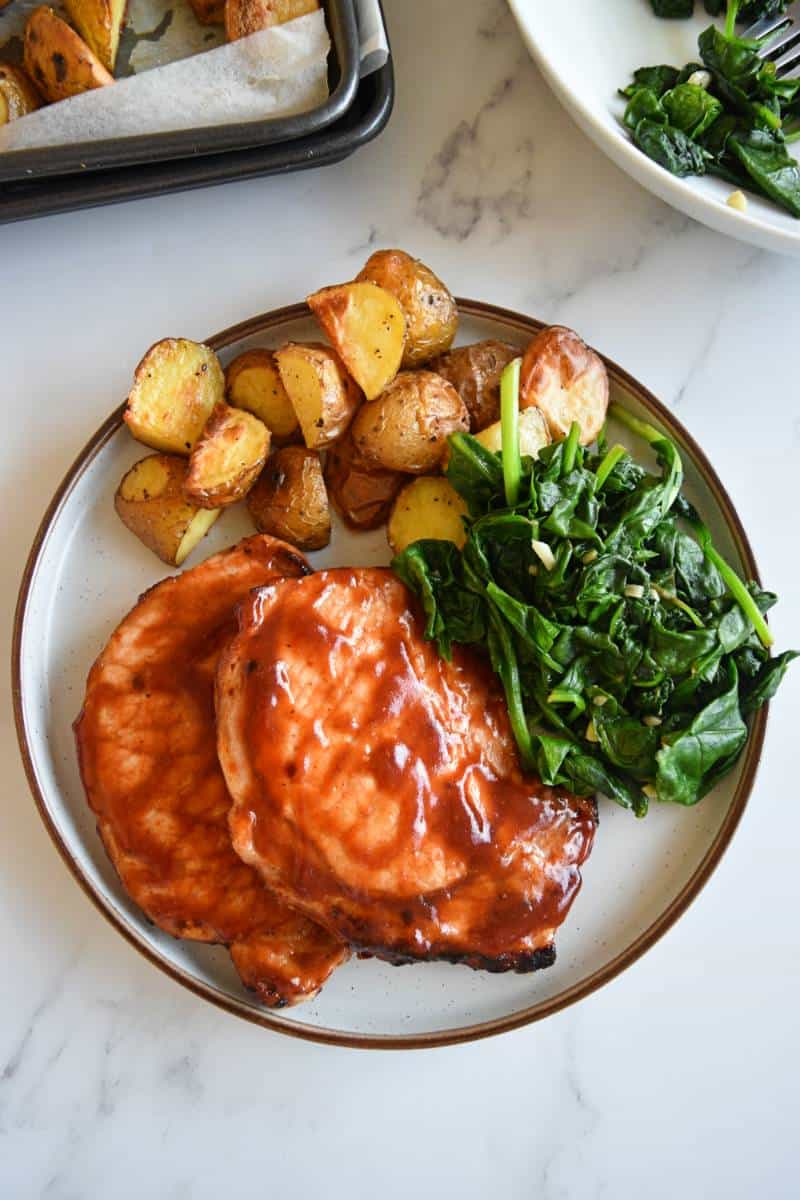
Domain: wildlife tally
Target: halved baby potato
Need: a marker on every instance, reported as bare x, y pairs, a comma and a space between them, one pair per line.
407, 427
58, 60
253, 382
429, 309
99, 22
289, 499
533, 434
362, 494
175, 388
227, 458
474, 372
243, 17
428, 507
367, 327
18, 96
567, 381
322, 394
150, 500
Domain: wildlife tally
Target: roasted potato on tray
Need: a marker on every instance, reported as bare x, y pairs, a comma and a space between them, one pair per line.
227, 458
58, 61
209, 12
253, 382
567, 381
367, 327
175, 388
99, 22
243, 17
323, 395
150, 500
428, 507
407, 427
18, 96
362, 494
429, 309
533, 433
474, 372
289, 499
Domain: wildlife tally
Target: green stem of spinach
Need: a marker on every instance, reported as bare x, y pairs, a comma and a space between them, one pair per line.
730, 18
734, 584
648, 432
571, 443
607, 465
509, 418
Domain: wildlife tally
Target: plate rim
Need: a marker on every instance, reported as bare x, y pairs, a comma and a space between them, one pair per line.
676, 192
263, 323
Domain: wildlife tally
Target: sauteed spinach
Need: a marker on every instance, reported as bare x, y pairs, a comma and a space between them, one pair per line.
727, 114
630, 652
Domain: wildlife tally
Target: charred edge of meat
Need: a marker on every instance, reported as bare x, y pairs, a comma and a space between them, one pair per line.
520, 964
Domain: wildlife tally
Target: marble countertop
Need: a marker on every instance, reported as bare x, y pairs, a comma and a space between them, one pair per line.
677, 1079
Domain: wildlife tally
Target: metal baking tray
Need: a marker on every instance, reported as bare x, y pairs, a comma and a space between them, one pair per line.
343, 70
363, 121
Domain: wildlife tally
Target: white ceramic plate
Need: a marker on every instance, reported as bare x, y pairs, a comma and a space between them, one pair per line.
85, 572
586, 50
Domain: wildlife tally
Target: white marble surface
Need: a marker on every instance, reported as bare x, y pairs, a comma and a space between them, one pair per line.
678, 1079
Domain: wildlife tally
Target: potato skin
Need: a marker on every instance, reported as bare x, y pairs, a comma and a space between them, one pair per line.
428, 507
99, 22
150, 501
253, 382
324, 397
474, 372
243, 17
209, 12
176, 386
362, 494
567, 381
289, 499
430, 310
407, 427
17, 93
227, 458
58, 61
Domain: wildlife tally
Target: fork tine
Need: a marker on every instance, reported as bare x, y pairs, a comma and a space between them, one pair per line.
778, 46
788, 63
766, 26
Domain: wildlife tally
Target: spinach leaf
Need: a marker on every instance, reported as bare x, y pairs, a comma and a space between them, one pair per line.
628, 744
673, 8
475, 473
670, 148
658, 79
434, 571
717, 732
767, 681
690, 108
770, 165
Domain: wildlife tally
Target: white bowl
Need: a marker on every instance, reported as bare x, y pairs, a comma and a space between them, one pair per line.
586, 50
85, 572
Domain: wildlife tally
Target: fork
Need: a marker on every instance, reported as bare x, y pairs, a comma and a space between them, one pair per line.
780, 38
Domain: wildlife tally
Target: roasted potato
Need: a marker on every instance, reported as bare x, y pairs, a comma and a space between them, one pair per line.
428, 507
99, 22
209, 12
367, 327
58, 61
227, 458
175, 388
289, 499
429, 309
243, 17
18, 96
474, 372
322, 394
533, 433
567, 381
150, 500
407, 427
362, 494
253, 382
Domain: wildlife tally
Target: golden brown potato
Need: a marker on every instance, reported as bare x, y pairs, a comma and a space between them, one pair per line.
58, 61
243, 17
362, 494
533, 433
175, 388
227, 458
253, 382
99, 23
18, 96
322, 394
428, 507
474, 372
289, 499
367, 327
407, 427
209, 12
429, 309
564, 378
150, 500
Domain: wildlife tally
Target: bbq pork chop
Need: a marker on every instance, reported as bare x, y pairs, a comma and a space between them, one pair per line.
376, 786
147, 751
